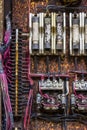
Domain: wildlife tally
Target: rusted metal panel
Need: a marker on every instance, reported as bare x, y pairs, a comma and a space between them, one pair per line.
20, 17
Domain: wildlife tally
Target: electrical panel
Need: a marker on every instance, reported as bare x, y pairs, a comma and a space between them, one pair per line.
44, 66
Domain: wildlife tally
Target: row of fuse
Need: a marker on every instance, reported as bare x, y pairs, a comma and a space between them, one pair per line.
48, 33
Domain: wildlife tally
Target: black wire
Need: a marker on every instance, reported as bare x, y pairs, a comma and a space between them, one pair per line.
76, 63
57, 120
71, 3
62, 118
35, 63
59, 64
60, 8
47, 62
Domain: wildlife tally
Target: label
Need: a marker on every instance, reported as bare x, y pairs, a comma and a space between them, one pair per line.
59, 33
47, 30
59, 29
75, 33
35, 33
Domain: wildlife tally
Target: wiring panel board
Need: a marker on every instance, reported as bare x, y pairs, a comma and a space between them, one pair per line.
50, 61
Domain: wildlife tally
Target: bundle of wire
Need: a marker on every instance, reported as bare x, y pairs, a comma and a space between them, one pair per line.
3, 78
70, 2
28, 110
46, 96
7, 103
27, 115
60, 118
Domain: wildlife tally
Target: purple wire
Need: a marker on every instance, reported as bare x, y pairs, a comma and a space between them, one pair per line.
3, 78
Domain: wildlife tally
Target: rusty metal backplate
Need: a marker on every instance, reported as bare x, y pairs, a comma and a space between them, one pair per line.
20, 17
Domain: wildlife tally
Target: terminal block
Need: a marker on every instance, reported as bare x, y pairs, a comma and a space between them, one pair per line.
79, 96
51, 96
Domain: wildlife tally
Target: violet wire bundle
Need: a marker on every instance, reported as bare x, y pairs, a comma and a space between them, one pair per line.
79, 96
7, 103
28, 110
3, 79
45, 95
6, 98
29, 103
6, 51
30, 96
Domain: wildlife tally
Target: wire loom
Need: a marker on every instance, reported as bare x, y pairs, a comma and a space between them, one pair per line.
44, 117
70, 2
59, 118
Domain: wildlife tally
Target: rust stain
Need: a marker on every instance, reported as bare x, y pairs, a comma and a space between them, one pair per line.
20, 17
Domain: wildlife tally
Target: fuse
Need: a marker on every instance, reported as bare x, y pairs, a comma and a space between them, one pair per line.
75, 25
47, 32
63, 100
73, 100
35, 37
59, 31
38, 99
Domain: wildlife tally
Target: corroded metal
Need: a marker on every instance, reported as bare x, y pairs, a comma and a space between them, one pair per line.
20, 17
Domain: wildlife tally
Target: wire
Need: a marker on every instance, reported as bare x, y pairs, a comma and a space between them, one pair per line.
71, 2
67, 87
3, 78
62, 118
28, 110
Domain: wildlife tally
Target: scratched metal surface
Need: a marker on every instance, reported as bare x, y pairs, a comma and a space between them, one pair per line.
20, 17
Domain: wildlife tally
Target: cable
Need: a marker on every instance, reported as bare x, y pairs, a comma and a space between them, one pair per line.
4, 84
28, 109
68, 118
70, 2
